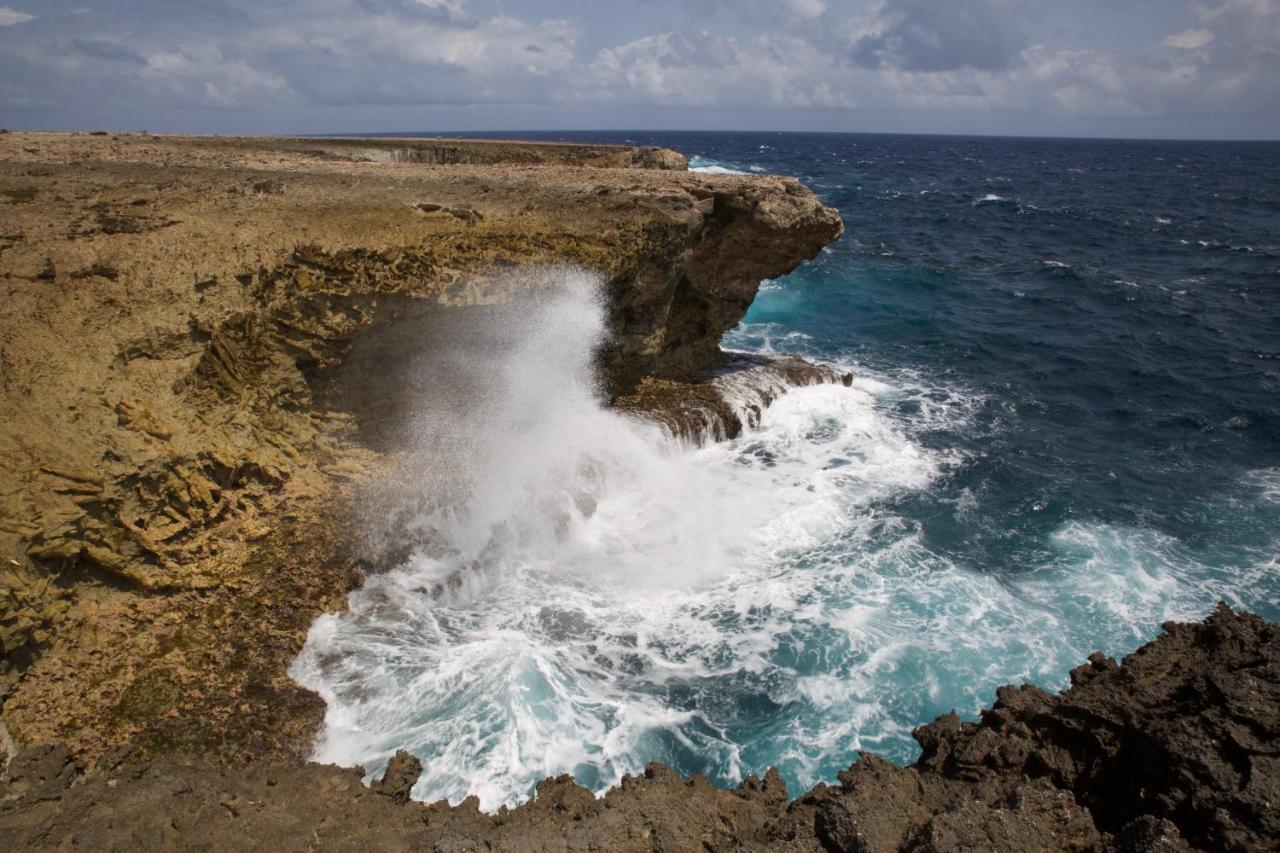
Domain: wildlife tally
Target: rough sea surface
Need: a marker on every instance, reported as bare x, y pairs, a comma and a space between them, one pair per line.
1064, 430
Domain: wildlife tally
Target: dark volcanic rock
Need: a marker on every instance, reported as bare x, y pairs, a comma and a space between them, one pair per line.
402, 772
1172, 750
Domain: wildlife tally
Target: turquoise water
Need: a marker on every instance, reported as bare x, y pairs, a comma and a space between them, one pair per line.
1064, 430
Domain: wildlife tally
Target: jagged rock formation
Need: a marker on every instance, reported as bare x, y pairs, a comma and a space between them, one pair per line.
721, 404
173, 468
1174, 749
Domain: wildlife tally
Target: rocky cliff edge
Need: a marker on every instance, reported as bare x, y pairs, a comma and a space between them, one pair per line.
174, 461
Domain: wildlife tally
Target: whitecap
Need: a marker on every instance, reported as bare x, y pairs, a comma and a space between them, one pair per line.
560, 657
716, 170
713, 167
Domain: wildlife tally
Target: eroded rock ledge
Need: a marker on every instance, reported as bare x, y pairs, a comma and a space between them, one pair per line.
173, 467
1175, 748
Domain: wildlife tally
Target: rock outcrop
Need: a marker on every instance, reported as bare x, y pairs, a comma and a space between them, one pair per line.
177, 456
720, 404
174, 463
1173, 749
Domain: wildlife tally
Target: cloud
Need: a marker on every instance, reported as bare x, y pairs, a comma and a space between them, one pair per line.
708, 70
454, 7
107, 51
806, 8
244, 55
964, 58
392, 59
11, 17
921, 35
1189, 39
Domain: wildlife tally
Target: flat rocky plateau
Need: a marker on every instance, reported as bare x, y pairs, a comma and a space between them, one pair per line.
202, 364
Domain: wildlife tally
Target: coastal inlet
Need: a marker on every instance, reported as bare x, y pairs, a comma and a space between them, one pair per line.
862, 559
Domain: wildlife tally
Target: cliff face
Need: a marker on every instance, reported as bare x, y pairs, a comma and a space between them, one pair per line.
172, 468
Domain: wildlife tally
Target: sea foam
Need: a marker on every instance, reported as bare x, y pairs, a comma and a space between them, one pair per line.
594, 596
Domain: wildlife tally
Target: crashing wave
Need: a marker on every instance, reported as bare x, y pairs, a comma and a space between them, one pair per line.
713, 167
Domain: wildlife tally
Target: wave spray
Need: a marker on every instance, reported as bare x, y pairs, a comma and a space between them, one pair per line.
581, 593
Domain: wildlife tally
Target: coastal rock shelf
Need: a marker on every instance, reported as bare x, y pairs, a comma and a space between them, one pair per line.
175, 462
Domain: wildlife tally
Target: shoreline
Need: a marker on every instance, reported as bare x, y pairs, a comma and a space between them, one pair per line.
1132, 757
178, 490
177, 479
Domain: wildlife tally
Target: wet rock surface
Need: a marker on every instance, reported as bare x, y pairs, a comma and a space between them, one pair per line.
1173, 749
719, 404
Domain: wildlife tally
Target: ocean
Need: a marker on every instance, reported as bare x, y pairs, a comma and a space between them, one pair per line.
1064, 430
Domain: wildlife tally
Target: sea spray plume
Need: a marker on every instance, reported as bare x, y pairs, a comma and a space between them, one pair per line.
585, 593
509, 449
492, 393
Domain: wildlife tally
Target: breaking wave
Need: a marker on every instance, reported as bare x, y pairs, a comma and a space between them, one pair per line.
594, 595
716, 167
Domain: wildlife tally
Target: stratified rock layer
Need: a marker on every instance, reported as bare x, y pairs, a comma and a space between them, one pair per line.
1176, 748
720, 404
173, 470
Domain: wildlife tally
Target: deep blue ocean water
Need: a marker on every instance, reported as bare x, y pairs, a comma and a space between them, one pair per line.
1067, 431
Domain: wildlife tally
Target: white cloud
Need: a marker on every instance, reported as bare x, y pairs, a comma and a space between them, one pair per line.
1189, 40
10, 17
921, 35
708, 70
806, 8
972, 57
453, 7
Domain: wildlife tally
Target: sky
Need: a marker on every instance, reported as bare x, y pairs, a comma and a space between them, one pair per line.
1207, 69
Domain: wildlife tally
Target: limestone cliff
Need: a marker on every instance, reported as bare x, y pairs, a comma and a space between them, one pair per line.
173, 463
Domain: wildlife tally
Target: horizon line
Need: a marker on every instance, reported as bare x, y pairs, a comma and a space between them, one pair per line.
1048, 137
464, 133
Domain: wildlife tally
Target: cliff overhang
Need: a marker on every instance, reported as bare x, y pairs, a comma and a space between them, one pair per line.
174, 476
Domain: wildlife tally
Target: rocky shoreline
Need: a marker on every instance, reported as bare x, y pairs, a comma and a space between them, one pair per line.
1173, 749
174, 478
199, 371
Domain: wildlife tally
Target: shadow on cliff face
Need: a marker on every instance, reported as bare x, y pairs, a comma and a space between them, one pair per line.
445, 389
432, 361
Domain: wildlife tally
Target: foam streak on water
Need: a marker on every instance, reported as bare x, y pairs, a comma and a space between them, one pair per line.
765, 601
